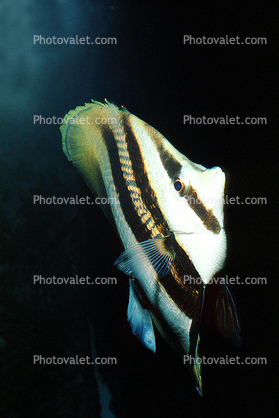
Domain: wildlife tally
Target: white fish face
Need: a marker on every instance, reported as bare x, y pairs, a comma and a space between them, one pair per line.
202, 238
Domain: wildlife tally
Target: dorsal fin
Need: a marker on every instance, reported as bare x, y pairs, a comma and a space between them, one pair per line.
83, 144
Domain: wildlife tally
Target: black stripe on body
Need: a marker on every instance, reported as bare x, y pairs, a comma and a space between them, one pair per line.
184, 295
183, 292
141, 177
166, 330
106, 207
139, 229
171, 165
206, 215
129, 175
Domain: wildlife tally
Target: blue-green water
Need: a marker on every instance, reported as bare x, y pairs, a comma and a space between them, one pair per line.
155, 76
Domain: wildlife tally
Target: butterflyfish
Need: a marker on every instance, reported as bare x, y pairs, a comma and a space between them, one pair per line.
168, 212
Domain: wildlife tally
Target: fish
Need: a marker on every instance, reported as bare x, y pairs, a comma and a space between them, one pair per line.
169, 215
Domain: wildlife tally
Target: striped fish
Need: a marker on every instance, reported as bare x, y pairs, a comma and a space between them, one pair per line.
168, 212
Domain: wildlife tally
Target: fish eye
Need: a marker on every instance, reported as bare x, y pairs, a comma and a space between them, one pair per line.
179, 185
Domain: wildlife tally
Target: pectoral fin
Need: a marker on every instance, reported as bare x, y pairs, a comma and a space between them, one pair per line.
140, 321
136, 259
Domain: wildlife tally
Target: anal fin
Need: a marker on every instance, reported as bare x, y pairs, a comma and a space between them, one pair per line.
140, 320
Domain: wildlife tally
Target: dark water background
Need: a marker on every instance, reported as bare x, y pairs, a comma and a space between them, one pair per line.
158, 79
